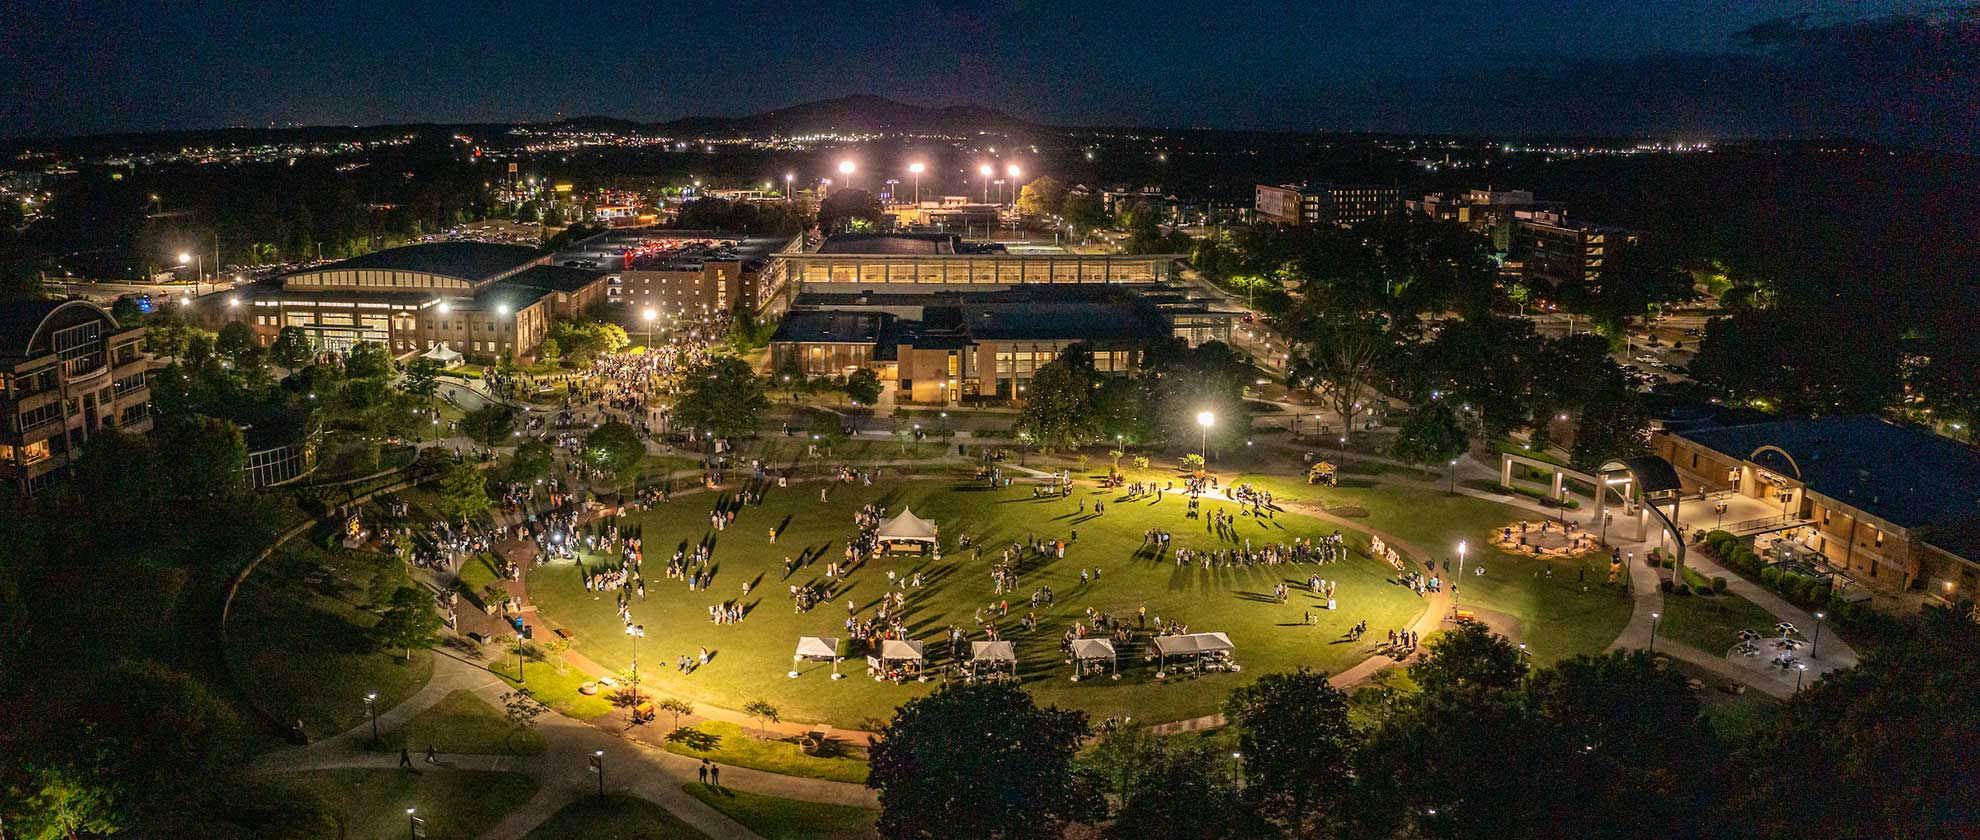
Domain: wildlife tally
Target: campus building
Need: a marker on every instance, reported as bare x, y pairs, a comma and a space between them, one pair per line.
1488, 211
909, 262
684, 273
946, 347
479, 299
1333, 204
1560, 251
67, 371
1894, 508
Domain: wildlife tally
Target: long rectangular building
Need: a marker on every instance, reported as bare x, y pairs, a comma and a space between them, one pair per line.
1891, 507
906, 261
950, 346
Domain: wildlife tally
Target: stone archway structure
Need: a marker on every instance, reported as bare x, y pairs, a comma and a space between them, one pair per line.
1648, 482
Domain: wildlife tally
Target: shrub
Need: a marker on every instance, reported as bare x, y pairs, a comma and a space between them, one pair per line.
1771, 576
1718, 583
1670, 561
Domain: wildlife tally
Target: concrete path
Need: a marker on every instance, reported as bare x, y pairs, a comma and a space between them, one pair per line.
562, 771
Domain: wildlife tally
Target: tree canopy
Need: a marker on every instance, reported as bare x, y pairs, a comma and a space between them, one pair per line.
1011, 776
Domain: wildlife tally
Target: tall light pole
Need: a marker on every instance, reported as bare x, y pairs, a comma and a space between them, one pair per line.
847, 168
199, 270
637, 632
788, 178
1204, 419
1460, 578
648, 317
916, 169
986, 171
1012, 173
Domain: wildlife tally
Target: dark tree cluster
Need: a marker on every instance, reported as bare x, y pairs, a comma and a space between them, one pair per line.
1483, 745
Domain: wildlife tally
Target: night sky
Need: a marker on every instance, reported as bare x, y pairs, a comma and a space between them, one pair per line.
1667, 68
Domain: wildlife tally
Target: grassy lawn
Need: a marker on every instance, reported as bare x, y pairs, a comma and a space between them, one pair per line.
298, 648
554, 688
787, 819
751, 658
462, 723
1711, 623
373, 803
616, 817
478, 573
741, 747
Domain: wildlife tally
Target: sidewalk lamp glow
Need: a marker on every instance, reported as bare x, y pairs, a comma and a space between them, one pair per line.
1205, 419
917, 168
1012, 170
184, 258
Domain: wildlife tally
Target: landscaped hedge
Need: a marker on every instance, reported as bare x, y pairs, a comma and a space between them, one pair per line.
1799, 589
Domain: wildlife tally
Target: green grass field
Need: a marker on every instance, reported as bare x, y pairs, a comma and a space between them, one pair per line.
462, 723
616, 817
298, 648
751, 658
372, 803
1711, 623
787, 819
741, 747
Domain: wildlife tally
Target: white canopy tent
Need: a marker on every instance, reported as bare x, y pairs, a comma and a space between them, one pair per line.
1214, 647
443, 354
817, 649
993, 656
1088, 653
896, 650
907, 528
898, 660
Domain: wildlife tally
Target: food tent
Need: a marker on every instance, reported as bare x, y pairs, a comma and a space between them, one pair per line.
907, 528
443, 354
992, 657
1209, 649
899, 659
817, 649
1089, 653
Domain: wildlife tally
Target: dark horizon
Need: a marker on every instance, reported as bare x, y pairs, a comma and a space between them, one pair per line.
1895, 72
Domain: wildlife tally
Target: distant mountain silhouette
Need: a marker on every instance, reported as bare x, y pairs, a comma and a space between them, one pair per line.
858, 114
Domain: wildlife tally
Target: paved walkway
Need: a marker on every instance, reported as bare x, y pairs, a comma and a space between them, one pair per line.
562, 771
1648, 598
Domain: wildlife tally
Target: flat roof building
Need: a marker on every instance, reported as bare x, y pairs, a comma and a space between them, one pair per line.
1333, 204
1560, 251
945, 347
909, 262
67, 371
685, 273
1893, 507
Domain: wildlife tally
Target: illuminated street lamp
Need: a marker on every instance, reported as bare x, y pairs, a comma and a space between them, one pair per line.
1204, 419
1655, 619
648, 317
847, 168
371, 705
986, 171
1460, 578
916, 169
788, 178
